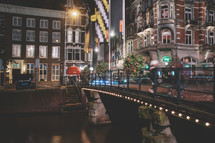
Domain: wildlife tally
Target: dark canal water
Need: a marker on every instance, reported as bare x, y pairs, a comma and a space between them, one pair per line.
61, 128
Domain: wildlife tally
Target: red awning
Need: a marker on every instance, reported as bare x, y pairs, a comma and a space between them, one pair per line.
73, 70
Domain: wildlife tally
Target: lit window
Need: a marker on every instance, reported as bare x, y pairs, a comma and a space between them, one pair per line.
16, 50
55, 72
77, 36
211, 16
55, 52
188, 36
17, 21
30, 49
164, 11
69, 36
56, 37
2, 20
56, 24
188, 13
152, 39
17, 35
30, 22
43, 23
30, 35
166, 37
30, 68
43, 36
43, 52
211, 38
43, 72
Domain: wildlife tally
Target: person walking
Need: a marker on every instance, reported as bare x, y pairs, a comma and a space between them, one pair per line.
153, 69
186, 72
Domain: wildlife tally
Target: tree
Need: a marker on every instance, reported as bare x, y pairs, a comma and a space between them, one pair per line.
133, 64
101, 68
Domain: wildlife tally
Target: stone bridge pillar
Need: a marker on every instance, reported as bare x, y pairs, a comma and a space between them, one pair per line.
96, 109
158, 128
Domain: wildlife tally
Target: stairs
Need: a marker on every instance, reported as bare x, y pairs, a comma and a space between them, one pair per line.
72, 102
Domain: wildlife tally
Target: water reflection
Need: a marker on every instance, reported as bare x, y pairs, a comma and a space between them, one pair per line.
64, 128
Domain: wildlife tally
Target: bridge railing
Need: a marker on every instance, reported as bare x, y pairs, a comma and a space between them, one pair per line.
195, 85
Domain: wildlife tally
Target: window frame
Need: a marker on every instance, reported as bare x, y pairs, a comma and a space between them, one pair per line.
166, 35
188, 37
19, 50
44, 25
55, 24
54, 56
54, 74
18, 34
42, 73
32, 53
30, 36
165, 10
30, 68
56, 39
44, 36
46, 51
17, 18
32, 23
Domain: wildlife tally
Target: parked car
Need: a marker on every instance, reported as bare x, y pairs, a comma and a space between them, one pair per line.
24, 81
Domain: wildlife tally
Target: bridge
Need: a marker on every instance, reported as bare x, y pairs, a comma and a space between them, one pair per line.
116, 99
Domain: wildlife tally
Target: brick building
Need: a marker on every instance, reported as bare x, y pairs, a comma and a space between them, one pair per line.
52, 37
167, 30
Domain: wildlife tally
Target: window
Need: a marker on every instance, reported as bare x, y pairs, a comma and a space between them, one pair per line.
188, 13
56, 24
206, 37
69, 36
43, 36
30, 68
145, 41
128, 50
43, 23
56, 37
16, 50
17, 21
17, 35
43, 72
152, 39
30, 35
30, 22
188, 36
55, 72
77, 54
69, 54
166, 37
77, 36
43, 52
211, 38
30, 49
211, 16
164, 11
55, 52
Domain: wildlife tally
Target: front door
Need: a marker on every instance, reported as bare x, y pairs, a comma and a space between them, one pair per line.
16, 73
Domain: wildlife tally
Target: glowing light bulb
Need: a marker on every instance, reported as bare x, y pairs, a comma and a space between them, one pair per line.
197, 120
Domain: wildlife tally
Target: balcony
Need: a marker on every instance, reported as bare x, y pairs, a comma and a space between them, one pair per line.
210, 23
190, 23
166, 46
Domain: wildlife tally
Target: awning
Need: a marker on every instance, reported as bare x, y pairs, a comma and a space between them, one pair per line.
73, 70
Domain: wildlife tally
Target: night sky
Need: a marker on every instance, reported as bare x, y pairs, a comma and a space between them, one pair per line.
116, 7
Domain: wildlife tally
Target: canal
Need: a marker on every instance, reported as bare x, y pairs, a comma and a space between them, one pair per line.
62, 128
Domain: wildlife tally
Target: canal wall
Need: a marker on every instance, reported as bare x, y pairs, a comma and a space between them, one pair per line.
30, 100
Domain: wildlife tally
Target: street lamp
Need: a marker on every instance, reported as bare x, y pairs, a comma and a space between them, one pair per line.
112, 34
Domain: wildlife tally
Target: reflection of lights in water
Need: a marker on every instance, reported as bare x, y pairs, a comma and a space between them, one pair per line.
57, 139
84, 137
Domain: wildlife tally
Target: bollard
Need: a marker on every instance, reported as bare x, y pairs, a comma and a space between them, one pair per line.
179, 84
155, 82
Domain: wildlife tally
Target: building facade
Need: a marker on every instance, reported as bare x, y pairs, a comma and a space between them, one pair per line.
170, 30
42, 42
76, 26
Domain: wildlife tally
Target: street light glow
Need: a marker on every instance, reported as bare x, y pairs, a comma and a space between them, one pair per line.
112, 34
74, 13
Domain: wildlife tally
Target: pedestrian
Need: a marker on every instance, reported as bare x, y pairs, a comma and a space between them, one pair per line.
175, 68
186, 72
153, 68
